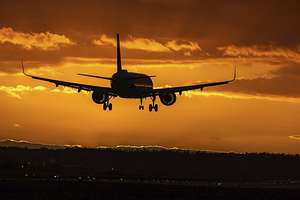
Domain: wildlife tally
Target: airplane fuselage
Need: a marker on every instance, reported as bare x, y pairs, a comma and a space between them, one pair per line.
129, 84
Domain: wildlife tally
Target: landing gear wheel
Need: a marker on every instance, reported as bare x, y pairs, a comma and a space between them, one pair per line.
107, 105
156, 107
150, 107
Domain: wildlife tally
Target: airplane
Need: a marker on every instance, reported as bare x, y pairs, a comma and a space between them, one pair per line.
129, 85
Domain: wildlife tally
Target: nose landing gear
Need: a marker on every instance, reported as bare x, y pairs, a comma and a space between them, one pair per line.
141, 107
107, 105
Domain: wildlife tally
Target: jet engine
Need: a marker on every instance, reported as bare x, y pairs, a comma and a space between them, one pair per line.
168, 99
99, 97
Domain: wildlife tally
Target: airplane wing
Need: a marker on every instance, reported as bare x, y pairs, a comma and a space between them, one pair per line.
74, 85
186, 88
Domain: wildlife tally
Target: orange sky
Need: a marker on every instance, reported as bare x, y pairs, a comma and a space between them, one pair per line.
182, 43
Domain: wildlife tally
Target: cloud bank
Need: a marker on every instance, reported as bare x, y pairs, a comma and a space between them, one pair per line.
44, 41
151, 45
20, 91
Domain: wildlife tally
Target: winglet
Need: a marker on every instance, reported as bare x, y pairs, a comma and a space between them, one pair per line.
24, 70
22, 67
234, 73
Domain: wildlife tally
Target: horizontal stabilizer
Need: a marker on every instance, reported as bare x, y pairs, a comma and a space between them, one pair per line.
95, 76
138, 77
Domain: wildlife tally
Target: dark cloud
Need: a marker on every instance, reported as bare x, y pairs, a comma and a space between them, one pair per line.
243, 22
291, 70
10, 68
215, 138
210, 24
281, 85
277, 24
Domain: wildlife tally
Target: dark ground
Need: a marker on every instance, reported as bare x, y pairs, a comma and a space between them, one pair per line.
96, 190
133, 163
86, 173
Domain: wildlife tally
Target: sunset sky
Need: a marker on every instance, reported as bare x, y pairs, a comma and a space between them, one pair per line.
182, 43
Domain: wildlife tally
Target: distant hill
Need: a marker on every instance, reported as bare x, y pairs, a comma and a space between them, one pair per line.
32, 145
29, 145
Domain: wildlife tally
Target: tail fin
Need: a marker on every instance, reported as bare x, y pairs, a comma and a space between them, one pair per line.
119, 65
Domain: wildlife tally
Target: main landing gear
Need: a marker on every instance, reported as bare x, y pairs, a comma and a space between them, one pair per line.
151, 106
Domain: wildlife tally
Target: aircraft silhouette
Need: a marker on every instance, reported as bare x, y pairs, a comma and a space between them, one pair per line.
129, 85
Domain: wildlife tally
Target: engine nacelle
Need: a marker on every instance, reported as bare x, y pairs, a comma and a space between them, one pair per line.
168, 99
99, 98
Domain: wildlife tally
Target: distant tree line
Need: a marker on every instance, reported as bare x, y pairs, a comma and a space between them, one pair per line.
140, 162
